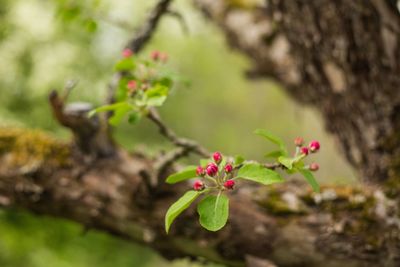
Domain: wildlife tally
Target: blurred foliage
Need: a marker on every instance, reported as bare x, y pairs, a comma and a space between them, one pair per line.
45, 43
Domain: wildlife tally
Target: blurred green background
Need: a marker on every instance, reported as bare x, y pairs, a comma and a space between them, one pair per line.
45, 43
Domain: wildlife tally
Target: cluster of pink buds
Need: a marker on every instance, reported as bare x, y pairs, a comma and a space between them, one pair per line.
313, 147
215, 171
159, 56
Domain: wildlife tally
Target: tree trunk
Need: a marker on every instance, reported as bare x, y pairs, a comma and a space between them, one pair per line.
342, 57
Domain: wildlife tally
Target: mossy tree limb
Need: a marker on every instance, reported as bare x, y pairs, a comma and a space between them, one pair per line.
287, 224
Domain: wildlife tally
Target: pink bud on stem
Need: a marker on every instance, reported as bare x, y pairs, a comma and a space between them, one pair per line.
314, 146
217, 157
229, 184
127, 53
228, 168
314, 167
212, 169
299, 141
198, 185
304, 151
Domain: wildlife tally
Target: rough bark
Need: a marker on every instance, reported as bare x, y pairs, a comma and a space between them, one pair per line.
342, 57
286, 224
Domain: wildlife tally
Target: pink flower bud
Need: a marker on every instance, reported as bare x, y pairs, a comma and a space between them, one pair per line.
314, 167
229, 184
163, 57
155, 55
314, 146
200, 171
127, 53
212, 169
198, 185
217, 157
298, 141
304, 150
228, 168
132, 84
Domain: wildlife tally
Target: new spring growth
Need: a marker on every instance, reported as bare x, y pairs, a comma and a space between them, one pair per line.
219, 175
159, 56
229, 184
313, 147
127, 53
304, 151
211, 169
314, 167
198, 185
228, 168
299, 141
217, 157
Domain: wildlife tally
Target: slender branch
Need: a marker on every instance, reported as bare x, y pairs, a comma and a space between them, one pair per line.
180, 19
189, 145
144, 34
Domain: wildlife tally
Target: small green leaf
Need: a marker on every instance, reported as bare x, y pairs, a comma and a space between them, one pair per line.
166, 81
107, 108
125, 64
134, 117
257, 173
213, 211
238, 160
274, 154
156, 95
310, 179
90, 25
188, 173
119, 113
285, 161
273, 139
179, 206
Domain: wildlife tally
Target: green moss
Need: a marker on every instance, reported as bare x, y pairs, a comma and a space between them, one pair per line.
29, 149
275, 204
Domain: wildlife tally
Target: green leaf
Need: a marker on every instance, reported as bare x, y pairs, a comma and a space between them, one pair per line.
179, 206
119, 113
188, 173
287, 162
156, 95
274, 154
134, 117
257, 173
90, 25
310, 179
273, 139
107, 108
166, 81
125, 64
238, 160
213, 211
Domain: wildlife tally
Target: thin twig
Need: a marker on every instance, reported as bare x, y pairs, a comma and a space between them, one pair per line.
180, 19
188, 144
144, 34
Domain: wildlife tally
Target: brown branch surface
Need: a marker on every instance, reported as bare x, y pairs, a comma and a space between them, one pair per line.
286, 224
